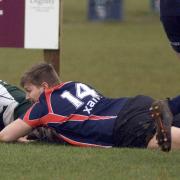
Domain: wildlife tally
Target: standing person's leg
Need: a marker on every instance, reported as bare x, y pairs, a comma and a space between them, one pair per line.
171, 26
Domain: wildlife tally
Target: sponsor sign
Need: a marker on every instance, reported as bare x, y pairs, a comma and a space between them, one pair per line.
29, 24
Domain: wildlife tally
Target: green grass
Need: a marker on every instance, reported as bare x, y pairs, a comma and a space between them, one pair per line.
118, 58
44, 162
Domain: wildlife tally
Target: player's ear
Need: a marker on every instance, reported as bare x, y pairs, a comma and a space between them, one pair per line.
45, 85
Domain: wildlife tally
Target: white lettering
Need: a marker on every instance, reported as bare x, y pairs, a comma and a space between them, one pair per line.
90, 104
86, 109
75, 101
82, 91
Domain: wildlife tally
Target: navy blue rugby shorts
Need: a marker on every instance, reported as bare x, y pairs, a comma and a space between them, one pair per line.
171, 26
134, 126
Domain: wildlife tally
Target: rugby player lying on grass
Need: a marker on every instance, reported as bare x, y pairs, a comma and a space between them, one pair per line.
83, 117
13, 104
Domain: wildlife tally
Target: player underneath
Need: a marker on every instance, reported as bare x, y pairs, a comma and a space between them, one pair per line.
13, 104
170, 18
83, 117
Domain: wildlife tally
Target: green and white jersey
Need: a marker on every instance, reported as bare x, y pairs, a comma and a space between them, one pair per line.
13, 103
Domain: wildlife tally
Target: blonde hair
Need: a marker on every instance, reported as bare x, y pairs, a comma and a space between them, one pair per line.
40, 73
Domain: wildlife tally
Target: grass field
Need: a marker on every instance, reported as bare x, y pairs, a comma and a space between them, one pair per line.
119, 59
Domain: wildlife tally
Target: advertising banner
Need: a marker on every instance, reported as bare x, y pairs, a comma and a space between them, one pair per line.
29, 24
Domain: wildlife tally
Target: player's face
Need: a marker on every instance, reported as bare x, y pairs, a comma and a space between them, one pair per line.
33, 92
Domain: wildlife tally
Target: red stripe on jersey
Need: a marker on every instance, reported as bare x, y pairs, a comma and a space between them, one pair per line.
76, 143
59, 86
54, 118
94, 117
26, 116
48, 99
48, 93
34, 122
77, 117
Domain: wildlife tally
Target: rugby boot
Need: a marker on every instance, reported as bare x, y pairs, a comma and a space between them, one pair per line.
162, 115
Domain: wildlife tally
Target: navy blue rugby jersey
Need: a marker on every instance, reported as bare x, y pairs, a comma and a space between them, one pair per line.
79, 114
170, 7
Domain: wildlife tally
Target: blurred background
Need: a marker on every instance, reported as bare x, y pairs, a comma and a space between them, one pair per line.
120, 57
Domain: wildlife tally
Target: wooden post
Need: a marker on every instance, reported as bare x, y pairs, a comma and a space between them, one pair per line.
53, 56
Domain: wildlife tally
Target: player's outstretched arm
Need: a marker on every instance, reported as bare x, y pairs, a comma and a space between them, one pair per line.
14, 131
